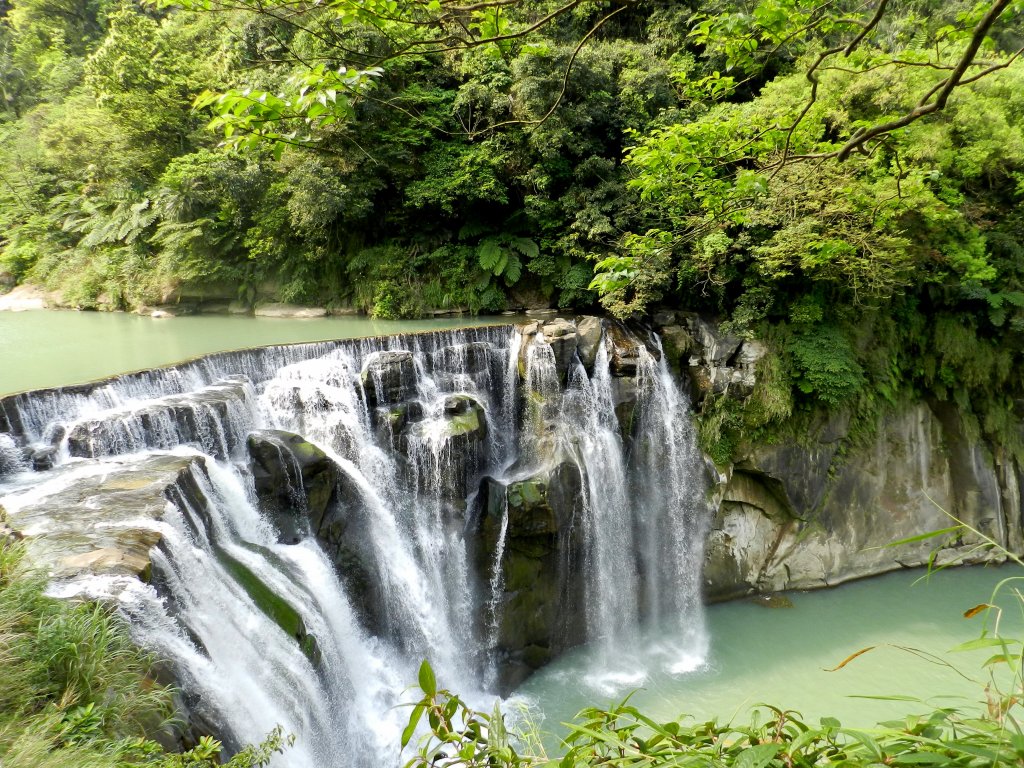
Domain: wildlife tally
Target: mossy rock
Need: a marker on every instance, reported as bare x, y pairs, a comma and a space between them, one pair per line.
273, 605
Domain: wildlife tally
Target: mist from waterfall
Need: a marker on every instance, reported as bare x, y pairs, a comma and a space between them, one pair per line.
383, 411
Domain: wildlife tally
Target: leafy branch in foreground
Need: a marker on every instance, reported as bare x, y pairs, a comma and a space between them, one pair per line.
774, 738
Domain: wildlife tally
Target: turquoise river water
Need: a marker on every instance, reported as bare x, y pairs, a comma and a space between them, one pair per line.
55, 348
780, 656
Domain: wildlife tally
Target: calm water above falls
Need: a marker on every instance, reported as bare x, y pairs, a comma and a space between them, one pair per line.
56, 348
780, 656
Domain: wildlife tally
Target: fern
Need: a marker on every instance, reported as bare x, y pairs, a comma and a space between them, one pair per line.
490, 255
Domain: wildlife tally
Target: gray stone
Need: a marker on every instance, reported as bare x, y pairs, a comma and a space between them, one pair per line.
718, 347
560, 334
749, 354
457, 448
623, 350
388, 377
294, 479
473, 358
803, 516
102, 523
588, 338
663, 317
289, 310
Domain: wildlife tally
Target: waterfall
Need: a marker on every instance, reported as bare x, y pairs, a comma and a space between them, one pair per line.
495, 495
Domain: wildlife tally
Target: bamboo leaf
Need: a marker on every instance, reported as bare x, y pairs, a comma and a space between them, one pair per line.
414, 720
850, 658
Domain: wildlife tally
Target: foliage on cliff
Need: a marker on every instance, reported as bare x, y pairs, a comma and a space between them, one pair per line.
844, 179
77, 692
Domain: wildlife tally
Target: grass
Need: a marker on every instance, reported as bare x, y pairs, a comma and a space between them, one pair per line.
77, 692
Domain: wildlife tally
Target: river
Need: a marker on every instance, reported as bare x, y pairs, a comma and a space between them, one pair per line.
55, 348
782, 656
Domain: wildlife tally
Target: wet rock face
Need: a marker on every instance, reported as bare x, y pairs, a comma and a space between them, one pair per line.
295, 480
473, 358
449, 452
804, 516
343, 530
304, 493
103, 522
567, 339
13, 458
588, 338
199, 418
541, 605
715, 362
623, 350
388, 377
561, 335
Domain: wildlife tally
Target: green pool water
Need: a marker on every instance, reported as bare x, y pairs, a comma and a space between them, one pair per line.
57, 348
781, 656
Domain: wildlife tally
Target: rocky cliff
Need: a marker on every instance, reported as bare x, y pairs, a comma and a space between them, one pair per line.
833, 506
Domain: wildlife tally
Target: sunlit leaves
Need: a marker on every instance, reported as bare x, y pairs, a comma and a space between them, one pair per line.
318, 97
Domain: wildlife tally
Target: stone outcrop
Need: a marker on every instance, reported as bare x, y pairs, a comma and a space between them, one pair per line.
104, 522
714, 361
295, 481
541, 603
448, 450
388, 377
830, 506
556, 333
200, 418
588, 338
824, 512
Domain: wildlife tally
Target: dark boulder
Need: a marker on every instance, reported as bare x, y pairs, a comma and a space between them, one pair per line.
295, 480
388, 377
541, 610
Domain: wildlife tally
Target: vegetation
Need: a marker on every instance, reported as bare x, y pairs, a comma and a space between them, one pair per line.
77, 692
842, 179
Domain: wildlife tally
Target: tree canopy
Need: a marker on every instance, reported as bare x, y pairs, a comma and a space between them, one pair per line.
840, 178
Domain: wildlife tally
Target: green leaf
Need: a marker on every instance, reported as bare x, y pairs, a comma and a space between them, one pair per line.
427, 680
489, 254
758, 756
984, 642
414, 721
526, 246
922, 758
924, 536
513, 270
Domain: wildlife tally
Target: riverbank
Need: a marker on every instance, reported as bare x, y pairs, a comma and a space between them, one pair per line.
27, 297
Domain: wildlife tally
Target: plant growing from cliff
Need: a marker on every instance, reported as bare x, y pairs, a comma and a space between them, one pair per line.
77, 691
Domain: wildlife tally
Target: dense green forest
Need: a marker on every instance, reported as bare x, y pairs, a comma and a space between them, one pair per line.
825, 176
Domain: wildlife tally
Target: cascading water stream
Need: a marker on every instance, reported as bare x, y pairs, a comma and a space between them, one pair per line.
420, 431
